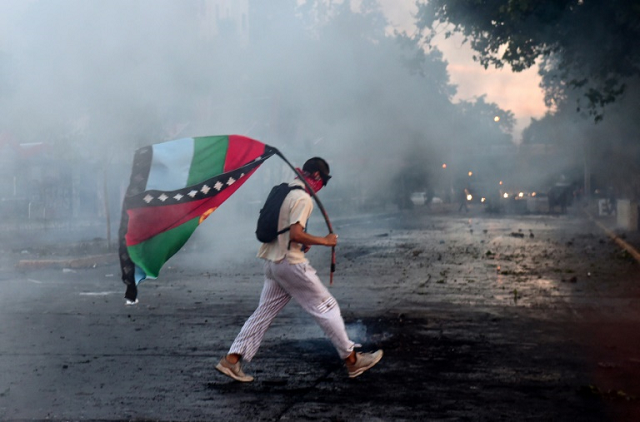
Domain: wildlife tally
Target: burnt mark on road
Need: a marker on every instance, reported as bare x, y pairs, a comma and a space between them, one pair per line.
447, 365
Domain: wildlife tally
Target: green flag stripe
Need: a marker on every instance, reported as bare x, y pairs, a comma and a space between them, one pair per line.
153, 253
209, 155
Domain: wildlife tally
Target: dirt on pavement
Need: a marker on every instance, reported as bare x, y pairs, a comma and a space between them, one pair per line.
481, 318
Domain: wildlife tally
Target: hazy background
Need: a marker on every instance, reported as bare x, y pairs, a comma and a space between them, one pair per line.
88, 82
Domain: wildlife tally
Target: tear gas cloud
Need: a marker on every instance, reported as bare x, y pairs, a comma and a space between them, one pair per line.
97, 80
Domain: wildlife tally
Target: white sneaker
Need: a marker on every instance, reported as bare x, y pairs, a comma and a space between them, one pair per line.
233, 370
364, 361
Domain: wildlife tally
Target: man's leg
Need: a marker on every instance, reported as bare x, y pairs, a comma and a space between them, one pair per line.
272, 300
302, 283
246, 344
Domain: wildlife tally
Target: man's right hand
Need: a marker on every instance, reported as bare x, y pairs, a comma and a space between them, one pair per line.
298, 235
331, 239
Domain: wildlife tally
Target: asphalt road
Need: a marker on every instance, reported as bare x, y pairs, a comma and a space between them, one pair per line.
482, 318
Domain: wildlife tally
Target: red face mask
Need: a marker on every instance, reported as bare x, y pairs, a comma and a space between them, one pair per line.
316, 184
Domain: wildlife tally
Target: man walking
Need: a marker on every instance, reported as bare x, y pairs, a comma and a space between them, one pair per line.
288, 274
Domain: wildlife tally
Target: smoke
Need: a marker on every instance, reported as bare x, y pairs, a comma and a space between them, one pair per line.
97, 80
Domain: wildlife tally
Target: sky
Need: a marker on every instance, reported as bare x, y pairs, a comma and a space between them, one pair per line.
518, 92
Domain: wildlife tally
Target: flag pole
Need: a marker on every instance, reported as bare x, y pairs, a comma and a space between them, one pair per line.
324, 212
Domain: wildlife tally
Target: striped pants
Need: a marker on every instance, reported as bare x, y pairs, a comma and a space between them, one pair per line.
282, 282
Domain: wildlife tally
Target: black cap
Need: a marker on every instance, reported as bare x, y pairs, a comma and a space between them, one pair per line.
320, 165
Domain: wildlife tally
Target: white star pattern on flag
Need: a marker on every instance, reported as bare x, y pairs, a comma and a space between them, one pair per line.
193, 193
163, 197
148, 198
241, 176
205, 189
178, 197
231, 181
218, 186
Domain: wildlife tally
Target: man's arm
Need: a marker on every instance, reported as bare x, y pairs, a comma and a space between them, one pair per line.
298, 235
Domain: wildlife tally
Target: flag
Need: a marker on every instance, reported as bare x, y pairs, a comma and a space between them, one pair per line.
174, 187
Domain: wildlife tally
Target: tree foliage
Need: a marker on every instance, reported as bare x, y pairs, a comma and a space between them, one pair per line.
487, 120
586, 45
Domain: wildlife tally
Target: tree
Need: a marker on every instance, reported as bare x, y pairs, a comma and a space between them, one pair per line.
607, 154
585, 45
486, 123
367, 99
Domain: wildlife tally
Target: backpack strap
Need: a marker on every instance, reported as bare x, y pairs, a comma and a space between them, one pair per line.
289, 228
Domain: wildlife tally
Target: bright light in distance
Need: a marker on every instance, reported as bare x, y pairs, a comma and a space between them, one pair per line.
533, 194
520, 195
501, 182
469, 197
505, 195
470, 173
483, 199
496, 119
444, 166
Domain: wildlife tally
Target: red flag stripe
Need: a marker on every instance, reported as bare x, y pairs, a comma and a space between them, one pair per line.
147, 222
242, 150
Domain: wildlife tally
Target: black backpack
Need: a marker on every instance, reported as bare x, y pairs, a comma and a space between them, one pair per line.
267, 229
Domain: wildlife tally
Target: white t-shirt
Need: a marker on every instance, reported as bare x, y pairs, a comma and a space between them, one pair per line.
296, 208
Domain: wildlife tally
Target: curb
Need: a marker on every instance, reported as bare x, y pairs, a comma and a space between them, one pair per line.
84, 262
624, 245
